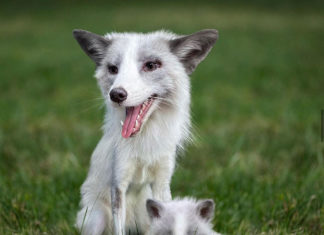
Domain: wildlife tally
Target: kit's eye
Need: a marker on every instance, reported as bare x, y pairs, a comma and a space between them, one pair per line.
112, 69
151, 65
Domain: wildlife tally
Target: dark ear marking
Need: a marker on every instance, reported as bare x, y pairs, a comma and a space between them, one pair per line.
205, 209
93, 45
154, 209
192, 49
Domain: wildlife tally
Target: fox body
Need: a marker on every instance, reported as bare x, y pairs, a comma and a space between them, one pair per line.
144, 81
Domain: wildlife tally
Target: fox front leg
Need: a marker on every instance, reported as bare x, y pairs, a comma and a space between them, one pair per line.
122, 173
161, 185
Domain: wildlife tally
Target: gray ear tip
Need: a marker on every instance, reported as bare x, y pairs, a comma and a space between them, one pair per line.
211, 202
212, 33
77, 32
208, 202
149, 202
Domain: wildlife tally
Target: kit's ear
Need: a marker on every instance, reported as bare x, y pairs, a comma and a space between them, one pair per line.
205, 209
93, 45
154, 209
192, 49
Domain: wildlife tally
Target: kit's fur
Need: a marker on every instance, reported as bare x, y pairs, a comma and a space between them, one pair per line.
125, 172
185, 216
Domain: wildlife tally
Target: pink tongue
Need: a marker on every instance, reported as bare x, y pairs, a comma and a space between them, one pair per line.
130, 120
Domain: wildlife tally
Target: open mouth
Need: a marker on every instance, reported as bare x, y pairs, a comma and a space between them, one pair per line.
134, 117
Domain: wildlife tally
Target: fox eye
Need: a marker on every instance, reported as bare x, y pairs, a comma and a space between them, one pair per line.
151, 66
112, 69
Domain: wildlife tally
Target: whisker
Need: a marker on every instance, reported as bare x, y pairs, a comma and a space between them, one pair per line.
95, 106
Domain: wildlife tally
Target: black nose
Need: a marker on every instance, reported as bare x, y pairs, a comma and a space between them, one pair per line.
118, 95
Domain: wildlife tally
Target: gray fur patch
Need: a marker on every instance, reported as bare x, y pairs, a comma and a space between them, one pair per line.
117, 199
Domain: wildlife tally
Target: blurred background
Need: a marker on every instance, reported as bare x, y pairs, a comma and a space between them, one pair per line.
256, 107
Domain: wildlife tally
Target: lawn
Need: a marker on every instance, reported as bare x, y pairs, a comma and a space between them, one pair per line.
256, 111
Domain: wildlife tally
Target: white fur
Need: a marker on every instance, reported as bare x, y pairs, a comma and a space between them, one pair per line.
180, 217
125, 172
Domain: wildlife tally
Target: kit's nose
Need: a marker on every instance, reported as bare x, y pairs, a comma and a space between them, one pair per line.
118, 95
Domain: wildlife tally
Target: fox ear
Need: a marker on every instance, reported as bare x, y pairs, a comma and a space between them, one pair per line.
94, 45
205, 209
154, 209
192, 49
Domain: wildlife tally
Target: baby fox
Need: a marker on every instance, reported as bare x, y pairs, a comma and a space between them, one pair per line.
185, 216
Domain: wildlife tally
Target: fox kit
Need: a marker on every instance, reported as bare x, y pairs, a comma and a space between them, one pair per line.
181, 217
144, 81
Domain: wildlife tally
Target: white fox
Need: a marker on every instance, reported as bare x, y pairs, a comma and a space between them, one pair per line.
144, 81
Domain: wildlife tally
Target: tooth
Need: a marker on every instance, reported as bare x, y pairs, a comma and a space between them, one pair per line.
121, 122
136, 123
141, 111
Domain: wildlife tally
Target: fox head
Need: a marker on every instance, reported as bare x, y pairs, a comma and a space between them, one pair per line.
185, 216
142, 74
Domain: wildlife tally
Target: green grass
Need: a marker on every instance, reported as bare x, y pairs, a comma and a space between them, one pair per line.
256, 104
